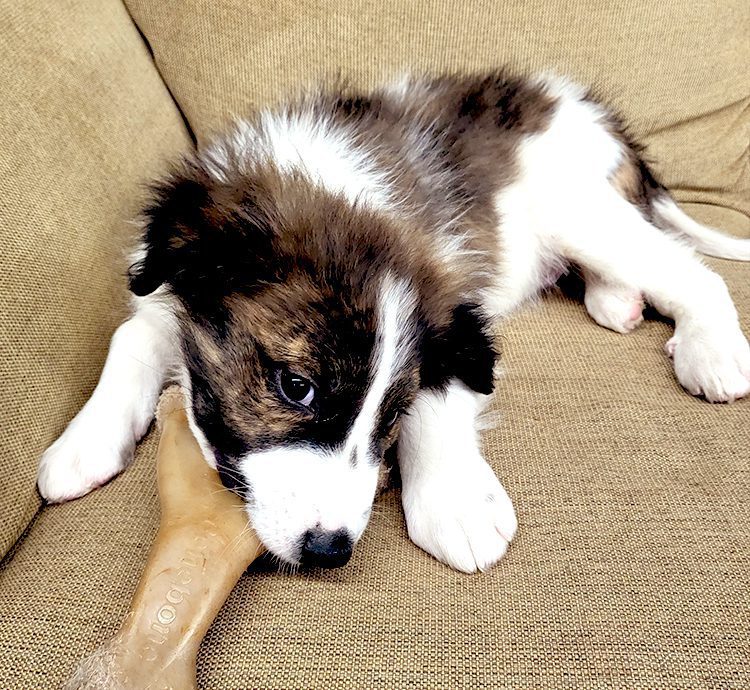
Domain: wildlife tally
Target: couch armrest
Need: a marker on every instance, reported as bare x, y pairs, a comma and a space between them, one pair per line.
85, 120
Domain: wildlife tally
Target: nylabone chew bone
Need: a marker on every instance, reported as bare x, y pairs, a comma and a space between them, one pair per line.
203, 546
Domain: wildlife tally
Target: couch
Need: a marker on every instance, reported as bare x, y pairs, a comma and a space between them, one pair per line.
631, 568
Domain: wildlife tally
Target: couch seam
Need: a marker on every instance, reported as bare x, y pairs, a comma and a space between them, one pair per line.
147, 44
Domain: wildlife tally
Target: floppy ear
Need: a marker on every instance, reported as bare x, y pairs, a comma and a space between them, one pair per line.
201, 238
173, 220
464, 350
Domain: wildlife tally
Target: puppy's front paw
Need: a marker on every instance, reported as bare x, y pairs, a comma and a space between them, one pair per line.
86, 456
712, 362
462, 516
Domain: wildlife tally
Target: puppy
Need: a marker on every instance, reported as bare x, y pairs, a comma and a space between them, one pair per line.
324, 281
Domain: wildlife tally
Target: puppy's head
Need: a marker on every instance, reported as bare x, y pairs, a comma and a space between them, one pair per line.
300, 334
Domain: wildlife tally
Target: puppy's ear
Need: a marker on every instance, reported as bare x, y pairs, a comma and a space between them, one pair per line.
172, 221
465, 350
199, 235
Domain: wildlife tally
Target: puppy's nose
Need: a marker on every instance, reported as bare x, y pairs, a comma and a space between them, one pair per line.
326, 549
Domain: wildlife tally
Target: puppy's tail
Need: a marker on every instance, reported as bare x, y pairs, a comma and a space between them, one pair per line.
708, 241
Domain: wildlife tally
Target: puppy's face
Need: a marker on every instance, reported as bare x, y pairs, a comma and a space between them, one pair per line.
300, 339
298, 397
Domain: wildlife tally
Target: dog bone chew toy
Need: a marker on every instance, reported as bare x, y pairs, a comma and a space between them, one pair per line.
203, 546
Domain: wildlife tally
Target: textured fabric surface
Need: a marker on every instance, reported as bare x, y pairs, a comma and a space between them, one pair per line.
632, 563
84, 120
631, 568
677, 70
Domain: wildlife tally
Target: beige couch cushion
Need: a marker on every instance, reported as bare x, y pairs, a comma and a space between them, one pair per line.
631, 568
677, 70
85, 120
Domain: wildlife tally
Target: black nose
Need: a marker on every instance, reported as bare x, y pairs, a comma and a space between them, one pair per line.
326, 549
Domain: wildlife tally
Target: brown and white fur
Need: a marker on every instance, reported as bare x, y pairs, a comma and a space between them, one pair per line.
324, 281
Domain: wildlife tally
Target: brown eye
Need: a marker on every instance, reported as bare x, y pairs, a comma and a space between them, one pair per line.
295, 388
391, 419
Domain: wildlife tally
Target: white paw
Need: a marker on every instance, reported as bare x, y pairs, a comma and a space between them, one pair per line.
618, 309
462, 516
87, 455
712, 362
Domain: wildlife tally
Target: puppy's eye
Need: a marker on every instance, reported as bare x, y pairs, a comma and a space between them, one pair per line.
295, 388
391, 419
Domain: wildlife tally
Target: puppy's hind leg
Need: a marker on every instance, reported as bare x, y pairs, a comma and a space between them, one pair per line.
608, 236
617, 307
99, 442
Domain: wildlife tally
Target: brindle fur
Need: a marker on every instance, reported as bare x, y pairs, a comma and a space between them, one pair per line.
273, 271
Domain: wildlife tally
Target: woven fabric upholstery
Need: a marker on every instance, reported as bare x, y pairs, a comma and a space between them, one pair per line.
677, 70
85, 120
631, 568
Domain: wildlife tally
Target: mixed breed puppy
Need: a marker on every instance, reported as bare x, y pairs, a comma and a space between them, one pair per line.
325, 279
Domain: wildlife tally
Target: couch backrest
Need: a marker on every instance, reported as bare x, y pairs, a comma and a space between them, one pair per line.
677, 69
